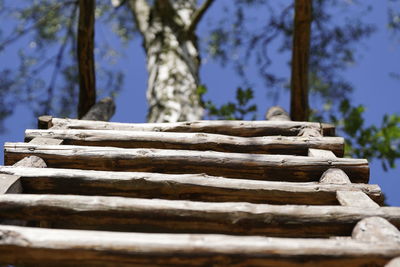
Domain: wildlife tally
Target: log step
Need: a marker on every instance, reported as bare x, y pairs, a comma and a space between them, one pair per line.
234, 165
237, 128
52, 247
192, 141
157, 215
199, 187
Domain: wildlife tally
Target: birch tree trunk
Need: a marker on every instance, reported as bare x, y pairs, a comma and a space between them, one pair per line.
168, 31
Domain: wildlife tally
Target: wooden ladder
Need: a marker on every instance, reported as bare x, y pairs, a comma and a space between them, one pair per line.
203, 193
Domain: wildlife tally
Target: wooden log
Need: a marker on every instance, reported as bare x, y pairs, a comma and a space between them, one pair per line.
334, 176
346, 197
234, 165
394, 263
45, 141
53, 247
31, 161
10, 184
277, 113
193, 141
376, 230
44, 122
355, 199
181, 186
157, 215
310, 131
312, 152
237, 128
101, 111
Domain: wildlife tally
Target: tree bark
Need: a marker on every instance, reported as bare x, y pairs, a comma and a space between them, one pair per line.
234, 165
299, 109
198, 187
87, 80
50, 247
236, 128
167, 28
291, 145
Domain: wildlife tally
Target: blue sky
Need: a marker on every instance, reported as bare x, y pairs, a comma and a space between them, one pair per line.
374, 88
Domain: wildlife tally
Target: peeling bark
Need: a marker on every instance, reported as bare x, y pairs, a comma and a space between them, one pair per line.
173, 61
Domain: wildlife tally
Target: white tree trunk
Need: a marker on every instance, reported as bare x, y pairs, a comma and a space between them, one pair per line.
172, 58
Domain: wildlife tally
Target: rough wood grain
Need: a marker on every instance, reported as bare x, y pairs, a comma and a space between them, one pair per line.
192, 141
50, 247
31, 161
181, 186
44, 122
310, 131
45, 141
376, 230
155, 215
334, 176
103, 110
10, 184
355, 199
238, 128
234, 165
321, 153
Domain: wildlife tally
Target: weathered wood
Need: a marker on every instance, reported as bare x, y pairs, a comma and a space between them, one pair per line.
310, 132
101, 111
45, 141
312, 152
376, 230
44, 122
51, 247
394, 263
277, 113
155, 215
237, 128
10, 184
193, 141
355, 199
334, 176
234, 165
181, 186
31, 161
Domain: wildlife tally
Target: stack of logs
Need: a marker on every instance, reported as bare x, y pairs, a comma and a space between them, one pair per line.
204, 193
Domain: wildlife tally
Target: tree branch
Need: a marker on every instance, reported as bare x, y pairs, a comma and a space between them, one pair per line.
198, 15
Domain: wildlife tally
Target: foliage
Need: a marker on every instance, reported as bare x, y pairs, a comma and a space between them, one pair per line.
335, 37
239, 110
369, 142
43, 35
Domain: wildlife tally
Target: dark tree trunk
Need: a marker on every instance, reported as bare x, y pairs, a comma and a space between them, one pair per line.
299, 109
87, 80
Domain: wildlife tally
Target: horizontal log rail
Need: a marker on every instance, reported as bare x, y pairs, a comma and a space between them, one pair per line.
181, 186
234, 165
237, 128
137, 214
50, 247
192, 141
